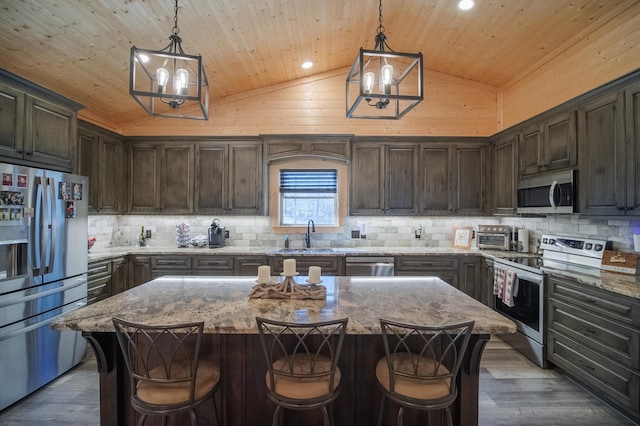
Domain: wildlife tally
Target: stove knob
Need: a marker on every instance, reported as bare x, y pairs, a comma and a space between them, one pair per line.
544, 240
552, 241
598, 247
588, 246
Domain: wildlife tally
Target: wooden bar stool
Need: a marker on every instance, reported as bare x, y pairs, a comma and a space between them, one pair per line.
420, 367
166, 373
302, 364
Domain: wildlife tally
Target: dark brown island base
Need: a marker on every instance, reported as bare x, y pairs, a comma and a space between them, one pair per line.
229, 315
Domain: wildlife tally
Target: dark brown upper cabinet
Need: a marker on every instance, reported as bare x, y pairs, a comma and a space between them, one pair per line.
384, 178
549, 145
37, 127
100, 157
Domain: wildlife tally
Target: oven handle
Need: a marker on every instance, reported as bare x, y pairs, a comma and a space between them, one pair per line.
523, 275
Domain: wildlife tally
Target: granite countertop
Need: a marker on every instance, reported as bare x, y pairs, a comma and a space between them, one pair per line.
223, 304
106, 253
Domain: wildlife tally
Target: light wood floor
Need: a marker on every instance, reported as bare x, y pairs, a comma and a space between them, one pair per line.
513, 391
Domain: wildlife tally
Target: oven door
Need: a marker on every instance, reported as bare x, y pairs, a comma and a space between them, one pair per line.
528, 309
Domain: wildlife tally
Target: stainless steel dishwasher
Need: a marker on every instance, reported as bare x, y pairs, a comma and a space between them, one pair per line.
370, 266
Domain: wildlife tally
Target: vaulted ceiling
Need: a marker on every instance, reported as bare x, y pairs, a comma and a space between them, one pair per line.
80, 48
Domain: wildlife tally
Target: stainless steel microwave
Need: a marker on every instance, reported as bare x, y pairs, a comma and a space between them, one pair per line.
549, 193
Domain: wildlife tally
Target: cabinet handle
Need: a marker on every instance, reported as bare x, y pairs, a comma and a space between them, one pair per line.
28, 153
631, 208
621, 208
592, 301
586, 329
20, 151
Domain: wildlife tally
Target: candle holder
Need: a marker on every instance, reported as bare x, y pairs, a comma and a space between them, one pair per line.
288, 289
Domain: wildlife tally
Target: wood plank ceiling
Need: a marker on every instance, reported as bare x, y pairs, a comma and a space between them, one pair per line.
80, 48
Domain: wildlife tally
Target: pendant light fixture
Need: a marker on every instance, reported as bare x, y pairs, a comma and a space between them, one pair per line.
384, 84
163, 81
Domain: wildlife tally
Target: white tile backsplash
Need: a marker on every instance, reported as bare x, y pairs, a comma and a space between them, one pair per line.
395, 231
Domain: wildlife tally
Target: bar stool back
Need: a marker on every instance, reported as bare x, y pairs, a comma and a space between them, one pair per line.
166, 372
302, 364
420, 367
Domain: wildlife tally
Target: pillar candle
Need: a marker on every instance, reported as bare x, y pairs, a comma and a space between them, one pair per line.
314, 274
289, 266
264, 274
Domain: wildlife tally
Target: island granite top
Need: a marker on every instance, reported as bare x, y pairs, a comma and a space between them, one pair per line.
223, 304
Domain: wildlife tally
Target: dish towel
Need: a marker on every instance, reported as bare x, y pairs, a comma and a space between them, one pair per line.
505, 285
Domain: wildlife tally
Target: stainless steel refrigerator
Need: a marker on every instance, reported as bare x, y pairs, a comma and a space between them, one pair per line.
43, 274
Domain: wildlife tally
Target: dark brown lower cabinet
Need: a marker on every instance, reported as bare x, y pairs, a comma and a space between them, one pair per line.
105, 278
462, 272
594, 336
331, 265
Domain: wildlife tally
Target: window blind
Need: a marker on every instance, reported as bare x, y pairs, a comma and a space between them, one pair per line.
309, 181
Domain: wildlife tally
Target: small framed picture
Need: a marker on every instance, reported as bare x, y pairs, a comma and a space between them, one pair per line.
22, 181
7, 179
461, 237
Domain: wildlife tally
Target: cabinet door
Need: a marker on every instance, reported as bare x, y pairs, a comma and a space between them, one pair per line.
50, 135
632, 122
89, 165
505, 175
139, 270
119, 275
367, 180
437, 178
470, 179
531, 157
144, 179
111, 176
560, 141
602, 156
470, 277
11, 122
211, 183
245, 179
176, 179
401, 169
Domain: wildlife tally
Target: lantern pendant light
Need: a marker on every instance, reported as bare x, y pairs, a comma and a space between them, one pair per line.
163, 81
383, 84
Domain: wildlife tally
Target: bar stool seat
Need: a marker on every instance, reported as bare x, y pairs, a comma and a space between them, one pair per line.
298, 386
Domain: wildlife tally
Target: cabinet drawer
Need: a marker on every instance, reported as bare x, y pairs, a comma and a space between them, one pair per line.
98, 290
213, 263
422, 263
616, 307
613, 340
611, 381
171, 263
331, 265
99, 269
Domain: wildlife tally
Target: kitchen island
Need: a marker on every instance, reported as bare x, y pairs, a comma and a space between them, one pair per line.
229, 315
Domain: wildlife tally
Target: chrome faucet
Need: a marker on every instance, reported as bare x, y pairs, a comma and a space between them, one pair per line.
307, 238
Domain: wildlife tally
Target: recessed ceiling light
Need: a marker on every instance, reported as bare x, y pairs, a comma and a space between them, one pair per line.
465, 4
307, 64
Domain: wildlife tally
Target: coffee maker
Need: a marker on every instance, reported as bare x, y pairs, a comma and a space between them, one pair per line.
216, 234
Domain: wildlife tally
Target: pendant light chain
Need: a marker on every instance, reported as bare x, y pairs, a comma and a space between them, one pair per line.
176, 30
380, 26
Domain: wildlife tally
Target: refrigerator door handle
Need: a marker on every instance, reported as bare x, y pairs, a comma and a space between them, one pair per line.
52, 222
38, 248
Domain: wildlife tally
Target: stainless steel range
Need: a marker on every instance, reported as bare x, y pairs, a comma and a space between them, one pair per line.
519, 287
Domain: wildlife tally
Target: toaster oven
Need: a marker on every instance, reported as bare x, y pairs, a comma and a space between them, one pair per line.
495, 237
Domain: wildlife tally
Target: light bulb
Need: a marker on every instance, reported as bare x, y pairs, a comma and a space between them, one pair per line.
181, 82
162, 75
386, 79
369, 81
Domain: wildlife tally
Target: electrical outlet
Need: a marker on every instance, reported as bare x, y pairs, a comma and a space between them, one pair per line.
226, 234
148, 233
